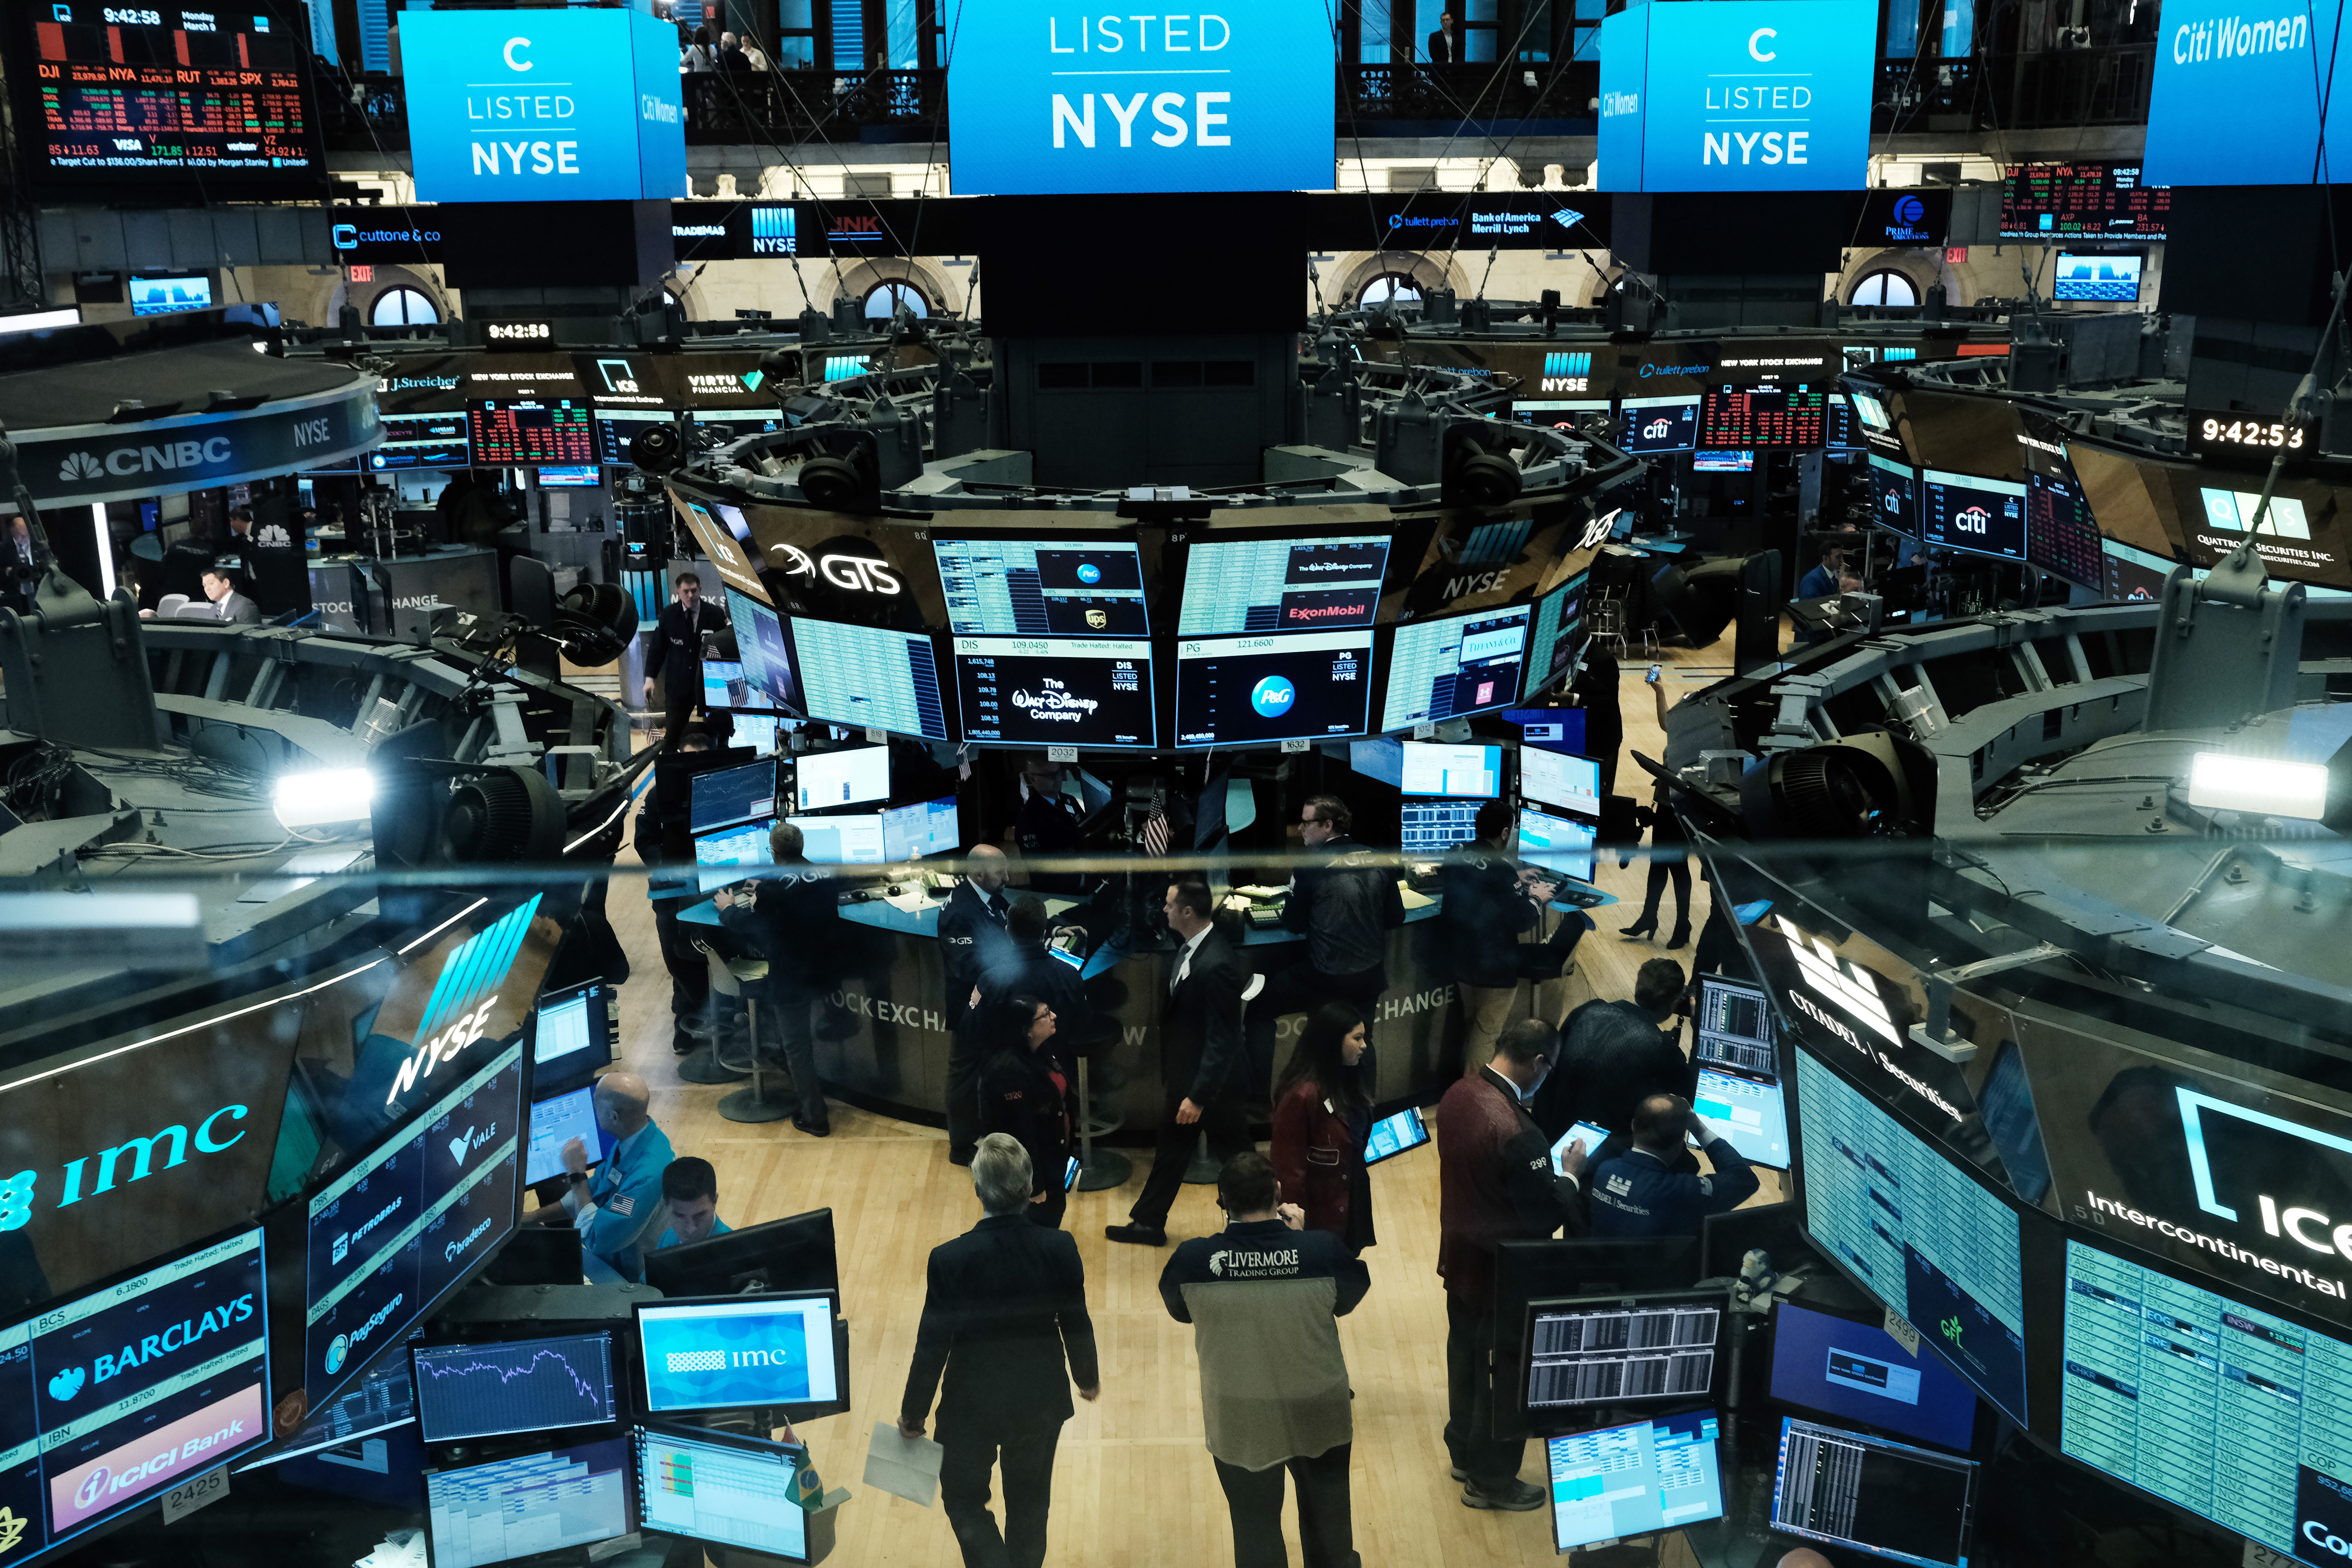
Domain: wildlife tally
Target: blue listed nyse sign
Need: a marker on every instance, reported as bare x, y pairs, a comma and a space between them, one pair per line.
1051, 99
2234, 102
573, 106
1740, 95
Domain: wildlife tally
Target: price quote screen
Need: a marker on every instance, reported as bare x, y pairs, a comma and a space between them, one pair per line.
1744, 417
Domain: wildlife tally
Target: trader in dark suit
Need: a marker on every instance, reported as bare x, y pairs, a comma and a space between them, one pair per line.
678, 644
1005, 1302
1444, 47
1200, 1042
971, 942
792, 919
21, 562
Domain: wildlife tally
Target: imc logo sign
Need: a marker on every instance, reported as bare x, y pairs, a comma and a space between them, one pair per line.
1740, 95
1049, 100
458, 1013
1567, 372
524, 106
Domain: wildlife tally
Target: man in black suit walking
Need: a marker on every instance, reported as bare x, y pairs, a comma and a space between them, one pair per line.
971, 942
1445, 49
1005, 1302
1200, 1042
678, 632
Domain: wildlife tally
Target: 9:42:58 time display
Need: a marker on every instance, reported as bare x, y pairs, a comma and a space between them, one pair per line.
2229, 430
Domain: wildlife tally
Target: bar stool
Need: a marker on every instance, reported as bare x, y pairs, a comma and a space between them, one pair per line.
1098, 1169
753, 1104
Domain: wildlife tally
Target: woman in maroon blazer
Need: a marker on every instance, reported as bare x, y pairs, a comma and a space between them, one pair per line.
1322, 1114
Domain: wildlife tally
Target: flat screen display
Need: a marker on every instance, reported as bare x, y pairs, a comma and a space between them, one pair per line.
1587, 1135
1557, 635
1557, 779
1894, 494
1722, 462
2067, 201
1965, 511
2211, 1404
1640, 1349
1394, 1135
1648, 1476
1649, 425
1857, 1371
555, 1121
116, 1394
756, 730
721, 1488
617, 428
823, 780
2061, 536
1734, 1026
170, 101
1382, 758
1869, 1494
498, 1388
1055, 691
421, 441
925, 828
726, 855
1282, 585
1844, 431
2106, 279
531, 1504
723, 683
1561, 843
869, 677
1917, 1233
1038, 588
856, 839
727, 797
1748, 1114
740, 1351
585, 476
1769, 415
1431, 828
1556, 412
161, 295
527, 432
1250, 691
766, 664
1439, 669
1472, 773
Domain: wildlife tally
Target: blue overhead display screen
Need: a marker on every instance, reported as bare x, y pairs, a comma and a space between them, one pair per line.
395, 1231
1441, 668
1925, 1239
1055, 691
110, 1398
1282, 585
1028, 588
1050, 101
2234, 100
2210, 1403
1241, 692
869, 677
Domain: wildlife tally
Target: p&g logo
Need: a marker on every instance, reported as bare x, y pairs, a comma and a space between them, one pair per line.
1273, 697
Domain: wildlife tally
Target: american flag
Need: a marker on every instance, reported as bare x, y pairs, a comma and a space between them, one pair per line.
1155, 829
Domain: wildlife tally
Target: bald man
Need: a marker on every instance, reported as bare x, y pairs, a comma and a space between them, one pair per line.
1803, 1557
616, 1209
971, 942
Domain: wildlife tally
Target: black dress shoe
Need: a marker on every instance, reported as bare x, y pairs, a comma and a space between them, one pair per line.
1680, 936
1647, 926
815, 1129
1139, 1235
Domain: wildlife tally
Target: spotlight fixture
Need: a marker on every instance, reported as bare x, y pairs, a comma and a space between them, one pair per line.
2263, 787
325, 797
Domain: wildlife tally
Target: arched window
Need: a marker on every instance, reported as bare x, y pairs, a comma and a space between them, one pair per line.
1390, 289
882, 302
402, 307
1885, 287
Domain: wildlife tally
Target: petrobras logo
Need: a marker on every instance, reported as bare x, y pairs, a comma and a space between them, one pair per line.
458, 1012
775, 231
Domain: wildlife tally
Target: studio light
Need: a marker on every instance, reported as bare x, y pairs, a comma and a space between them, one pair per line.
2224, 781
319, 799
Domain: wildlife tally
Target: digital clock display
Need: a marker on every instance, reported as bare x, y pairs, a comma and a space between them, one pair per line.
521, 332
2234, 430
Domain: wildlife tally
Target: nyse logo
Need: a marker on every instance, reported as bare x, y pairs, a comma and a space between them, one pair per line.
458, 1011
775, 232
859, 574
314, 432
1567, 372
1476, 583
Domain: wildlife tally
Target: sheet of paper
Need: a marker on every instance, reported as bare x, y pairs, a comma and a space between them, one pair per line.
902, 1466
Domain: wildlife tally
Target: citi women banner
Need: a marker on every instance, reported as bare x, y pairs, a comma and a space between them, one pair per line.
2237, 95
1740, 95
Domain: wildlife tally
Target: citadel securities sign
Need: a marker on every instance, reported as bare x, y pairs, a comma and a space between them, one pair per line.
520, 106
1740, 95
1052, 99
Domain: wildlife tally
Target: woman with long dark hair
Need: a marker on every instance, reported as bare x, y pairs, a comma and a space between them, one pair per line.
1322, 1114
1024, 1091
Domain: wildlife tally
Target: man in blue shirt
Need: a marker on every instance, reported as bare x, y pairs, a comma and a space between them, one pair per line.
618, 1207
1823, 580
690, 1187
1640, 1194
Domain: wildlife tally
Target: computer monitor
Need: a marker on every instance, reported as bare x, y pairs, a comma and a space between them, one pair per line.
722, 684
1848, 1488
1090, 692
1561, 843
571, 1036
1972, 512
1557, 779
1253, 690
1647, 1348
1748, 1112
1648, 425
2097, 276
1258, 585
1442, 668
794, 1254
730, 797
1725, 1239
536, 1255
721, 1487
496, 1388
744, 1352
555, 1121
1394, 1135
856, 839
507, 1509
1529, 1271
925, 828
1657, 1474
1722, 462
1432, 827
823, 780
755, 731
1734, 1026
1467, 772
733, 853
768, 679
1850, 1371
383, 1399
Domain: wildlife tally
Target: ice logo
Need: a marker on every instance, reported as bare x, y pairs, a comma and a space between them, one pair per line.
66, 1384
1910, 209
1273, 697
1090, 574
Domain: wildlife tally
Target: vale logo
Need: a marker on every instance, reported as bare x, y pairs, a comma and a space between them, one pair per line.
460, 1144
65, 1384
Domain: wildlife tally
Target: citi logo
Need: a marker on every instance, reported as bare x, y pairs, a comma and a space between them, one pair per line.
1614, 104
2232, 37
1657, 430
458, 1012
123, 461
1975, 519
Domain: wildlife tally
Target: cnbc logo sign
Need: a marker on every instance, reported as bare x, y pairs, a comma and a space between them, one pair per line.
1567, 372
775, 231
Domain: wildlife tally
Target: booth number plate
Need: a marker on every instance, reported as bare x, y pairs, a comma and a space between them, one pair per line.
189, 1496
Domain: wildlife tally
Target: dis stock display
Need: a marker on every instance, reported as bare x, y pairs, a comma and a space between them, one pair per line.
128, 100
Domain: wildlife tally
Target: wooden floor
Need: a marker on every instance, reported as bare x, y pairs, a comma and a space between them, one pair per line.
1134, 1487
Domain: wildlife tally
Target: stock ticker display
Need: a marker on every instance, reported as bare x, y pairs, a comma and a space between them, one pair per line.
131, 95
517, 1385
124, 1391
2071, 201
1282, 585
2061, 536
2223, 1408
1741, 418
527, 432
1055, 691
1921, 1235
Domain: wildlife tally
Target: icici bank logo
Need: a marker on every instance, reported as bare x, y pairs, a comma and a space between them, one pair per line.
93, 1486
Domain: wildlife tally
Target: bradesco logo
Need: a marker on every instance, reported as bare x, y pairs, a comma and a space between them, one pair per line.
123, 461
458, 1012
18, 1193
